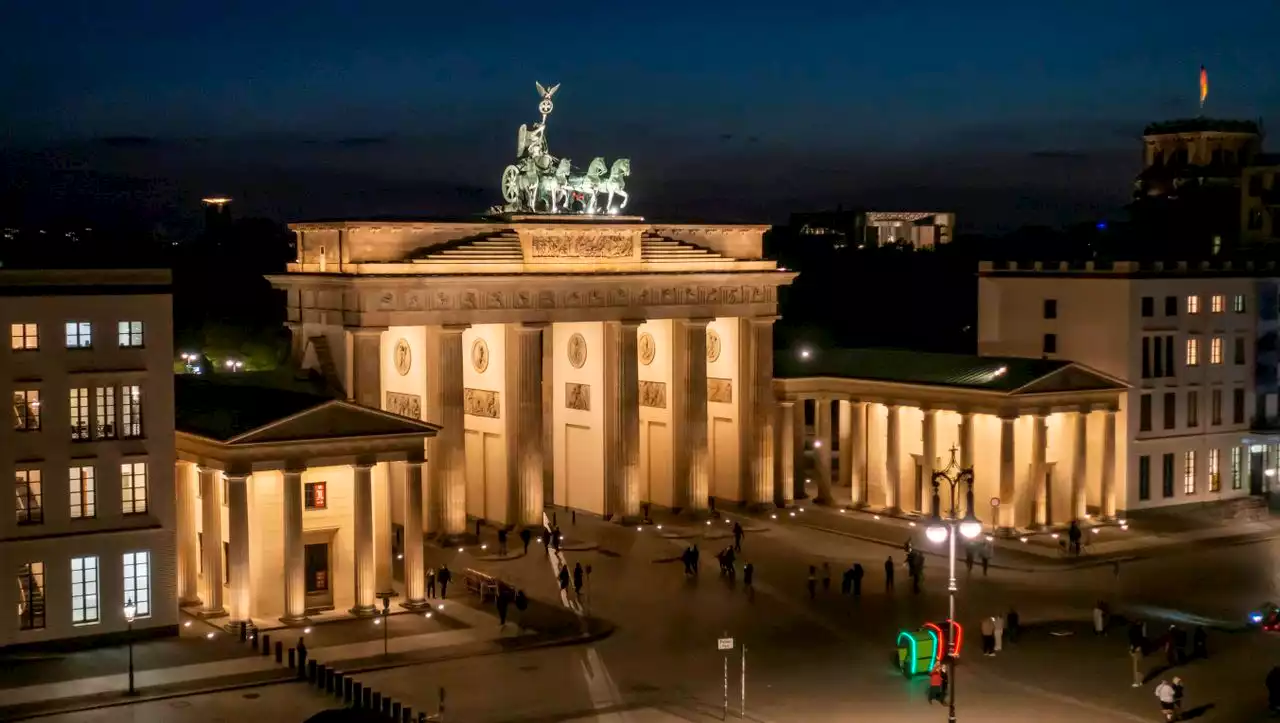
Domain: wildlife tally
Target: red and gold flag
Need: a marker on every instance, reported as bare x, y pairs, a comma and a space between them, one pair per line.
1204, 85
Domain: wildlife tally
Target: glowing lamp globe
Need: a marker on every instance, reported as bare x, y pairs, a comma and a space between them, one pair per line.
970, 528
130, 611
936, 533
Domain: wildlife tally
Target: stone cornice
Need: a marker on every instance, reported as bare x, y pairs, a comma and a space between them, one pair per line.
944, 397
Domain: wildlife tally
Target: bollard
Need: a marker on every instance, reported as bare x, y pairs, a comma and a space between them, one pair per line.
293, 659
357, 694
326, 678
337, 684
346, 690
377, 702
386, 707
279, 652
366, 698
406, 715
395, 710
266, 644
311, 671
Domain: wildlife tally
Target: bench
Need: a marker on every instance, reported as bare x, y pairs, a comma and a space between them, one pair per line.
485, 586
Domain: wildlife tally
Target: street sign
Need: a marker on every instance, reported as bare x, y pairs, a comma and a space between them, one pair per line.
724, 644
995, 501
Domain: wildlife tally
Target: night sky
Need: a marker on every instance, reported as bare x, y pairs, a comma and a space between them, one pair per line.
1009, 112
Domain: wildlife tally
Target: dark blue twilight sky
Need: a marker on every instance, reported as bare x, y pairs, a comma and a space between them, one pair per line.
1007, 111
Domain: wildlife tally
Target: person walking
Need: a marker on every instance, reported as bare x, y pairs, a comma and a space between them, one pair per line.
431, 582
737, 536
1073, 536
555, 538
857, 579
1168, 702
686, 558
564, 577
989, 636
888, 574
1099, 625
1178, 692
503, 602
1137, 636
998, 621
577, 579
444, 577
502, 540
968, 558
826, 577
813, 582
1135, 655
525, 536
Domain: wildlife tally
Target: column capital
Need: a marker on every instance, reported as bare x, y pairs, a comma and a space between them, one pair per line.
927, 410
415, 462
365, 465
365, 330
238, 477
1111, 409
294, 469
763, 320
697, 321
454, 328
786, 402
1009, 417
532, 326
629, 323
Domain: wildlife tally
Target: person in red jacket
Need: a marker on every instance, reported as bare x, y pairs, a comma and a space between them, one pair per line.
935, 685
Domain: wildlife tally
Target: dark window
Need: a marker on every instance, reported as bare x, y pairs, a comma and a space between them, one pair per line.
1144, 477
1148, 306
1146, 357
1166, 481
1144, 414
1170, 306
1255, 184
1157, 367
1168, 356
1215, 407
315, 496
1193, 409
1237, 406
1238, 354
1170, 410
1050, 308
1255, 219
1050, 343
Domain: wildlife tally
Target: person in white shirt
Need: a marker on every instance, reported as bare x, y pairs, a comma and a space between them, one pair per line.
1167, 697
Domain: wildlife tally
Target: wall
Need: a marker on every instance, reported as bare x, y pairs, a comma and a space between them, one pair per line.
578, 440
722, 424
486, 454
656, 444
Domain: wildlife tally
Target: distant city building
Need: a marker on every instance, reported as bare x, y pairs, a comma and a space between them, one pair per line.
869, 229
1260, 200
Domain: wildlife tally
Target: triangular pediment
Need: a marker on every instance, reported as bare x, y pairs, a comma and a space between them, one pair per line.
333, 420
1072, 378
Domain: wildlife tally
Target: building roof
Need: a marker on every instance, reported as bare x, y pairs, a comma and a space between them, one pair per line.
1201, 125
995, 374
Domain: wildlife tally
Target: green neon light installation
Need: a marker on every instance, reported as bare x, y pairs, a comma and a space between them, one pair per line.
912, 656
936, 643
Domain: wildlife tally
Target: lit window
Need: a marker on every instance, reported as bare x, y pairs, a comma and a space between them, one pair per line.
79, 335
83, 496
79, 403
131, 411
26, 410
1193, 304
1217, 303
130, 333
24, 337
1236, 478
30, 497
1237, 304
133, 487
1193, 352
315, 495
1215, 350
31, 596
1215, 482
104, 419
1189, 472
84, 590
137, 582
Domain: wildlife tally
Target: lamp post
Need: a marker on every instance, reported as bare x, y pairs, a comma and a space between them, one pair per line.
130, 611
941, 529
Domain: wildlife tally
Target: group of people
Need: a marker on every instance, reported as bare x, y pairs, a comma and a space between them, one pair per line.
994, 629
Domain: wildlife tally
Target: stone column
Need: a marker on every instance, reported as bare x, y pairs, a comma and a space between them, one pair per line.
295, 583
1039, 488
689, 414
211, 514
1007, 491
364, 384
549, 417
929, 459
1078, 465
798, 434
784, 471
238, 544
524, 427
362, 527
621, 399
446, 458
414, 574
755, 376
966, 454
892, 467
844, 465
822, 448
188, 541
857, 438
1109, 465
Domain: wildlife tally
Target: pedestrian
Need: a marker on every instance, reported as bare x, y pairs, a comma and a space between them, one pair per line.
911, 564
857, 579
502, 541
998, 620
555, 538
968, 558
737, 536
1137, 637
444, 577
696, 555
989, 636
888, 574
564, 577
1098, 626
545, 539
525, 536
986, 557
1011, 624
1168, 702
935, 685
813, 582
1073, 535
686, 558
748, 574
1199, 643
431, 582
826, 577
577, 578
1178, 692
915, 580
478, 523
1135, 655
302, 656
846, 581
503, 601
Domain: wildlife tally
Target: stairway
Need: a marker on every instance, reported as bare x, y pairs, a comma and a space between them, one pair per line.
499, 248
661, 249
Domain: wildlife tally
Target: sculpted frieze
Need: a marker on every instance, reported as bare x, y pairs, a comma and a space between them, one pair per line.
406, 405
653, 394
499, 299
577, 396
480, 403
720, 390
582, 245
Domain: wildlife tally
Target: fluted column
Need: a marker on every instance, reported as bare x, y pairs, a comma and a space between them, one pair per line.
785, 466
446, 459
1039, 488
689, 415
362, 527
822, 448
365, 383
524, 427
295, 584
188, 541
844, 466
549, 417
798, 434
211, 523
238, 544
857, 454
414, 574
1109, 465
622, 420
755, 368
929, 459
1078, 465
966, 451
892, 487
1007, 490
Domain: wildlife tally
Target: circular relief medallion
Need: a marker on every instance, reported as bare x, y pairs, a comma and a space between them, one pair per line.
713, 345
577, 351
647, 348
479, 355
404, 358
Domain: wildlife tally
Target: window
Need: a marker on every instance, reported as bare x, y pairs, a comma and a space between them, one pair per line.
1168, 357
104, 420
137, 581
1238, 352
1193, 352
31, 596
133, 487
83, 497
1217, 304
84, 590
1193, 408
1215, 482
30, 497
1193, 304
1237, 303
79, 335
1236, 478
1146, 357
1170, 306
131, 411
315, 496
1215, 350
1157, 366
1166, 483
1144, 477
79, 402
1050, 343
26, 410
1215, 406
24, 337
1148, 307
1170, 410
1144, 413
1237, 406
130, 334
1050, 308
1189, 472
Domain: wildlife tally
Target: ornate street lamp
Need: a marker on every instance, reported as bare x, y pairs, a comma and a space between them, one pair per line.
130, 611
941, 529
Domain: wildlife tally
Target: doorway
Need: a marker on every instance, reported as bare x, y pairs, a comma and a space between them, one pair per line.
319, 582
1257, 469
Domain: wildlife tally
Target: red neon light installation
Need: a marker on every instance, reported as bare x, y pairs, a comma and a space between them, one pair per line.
946, 639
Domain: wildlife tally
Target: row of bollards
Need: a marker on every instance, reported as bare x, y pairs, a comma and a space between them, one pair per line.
357, 695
